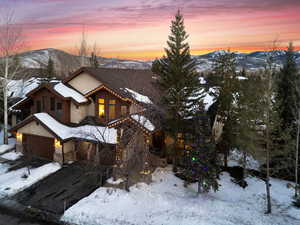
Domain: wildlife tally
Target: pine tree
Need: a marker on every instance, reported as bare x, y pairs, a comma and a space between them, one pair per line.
288, 81
248, 112
50, 71
94, 61
201, 159
178, 81
274, 138
225, 68
286, 89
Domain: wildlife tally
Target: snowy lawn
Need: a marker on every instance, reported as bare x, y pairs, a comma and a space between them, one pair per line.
6, 148
11, 155
167, 202
15, 181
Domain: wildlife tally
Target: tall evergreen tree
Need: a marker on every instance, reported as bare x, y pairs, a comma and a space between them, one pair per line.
248, 112
50, 70
288, 95
287, 77
94, 61
275, 140
225, 68
201, 162
178, 81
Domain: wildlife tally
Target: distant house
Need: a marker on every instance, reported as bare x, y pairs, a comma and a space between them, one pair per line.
93, 109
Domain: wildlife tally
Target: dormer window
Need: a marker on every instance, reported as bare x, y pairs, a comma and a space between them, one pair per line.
101, 107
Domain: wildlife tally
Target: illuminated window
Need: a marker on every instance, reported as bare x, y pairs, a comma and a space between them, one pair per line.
112, 109
19, 137
123, 110
101, 107
57, 143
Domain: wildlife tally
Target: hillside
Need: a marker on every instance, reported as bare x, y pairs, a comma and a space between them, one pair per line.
65, 62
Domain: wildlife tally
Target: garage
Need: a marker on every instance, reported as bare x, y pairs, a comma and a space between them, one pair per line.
38, 146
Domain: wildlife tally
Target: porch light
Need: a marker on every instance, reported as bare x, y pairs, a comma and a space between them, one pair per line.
19, 137
57, 143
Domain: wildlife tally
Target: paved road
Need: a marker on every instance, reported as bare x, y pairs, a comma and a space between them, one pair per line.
8, 219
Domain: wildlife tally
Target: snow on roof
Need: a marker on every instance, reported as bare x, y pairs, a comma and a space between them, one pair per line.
67, 92
19, 88
88, 132
143, 121
17, 103
139, 97
209, 98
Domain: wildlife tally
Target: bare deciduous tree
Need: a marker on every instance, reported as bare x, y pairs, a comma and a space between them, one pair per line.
11, 43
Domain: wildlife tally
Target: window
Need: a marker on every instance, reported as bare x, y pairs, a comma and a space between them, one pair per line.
52, 104
123, 110
38, 106
59, 109
59, 106
101, 107
112, 109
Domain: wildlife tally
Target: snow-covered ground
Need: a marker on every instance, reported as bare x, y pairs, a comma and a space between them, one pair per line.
11, 155
235, 159
15, 181
167, 202
6, 148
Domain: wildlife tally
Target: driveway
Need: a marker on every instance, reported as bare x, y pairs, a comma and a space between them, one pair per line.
62, 189
9, 219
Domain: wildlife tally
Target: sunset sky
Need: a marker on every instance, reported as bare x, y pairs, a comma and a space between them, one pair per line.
138, 29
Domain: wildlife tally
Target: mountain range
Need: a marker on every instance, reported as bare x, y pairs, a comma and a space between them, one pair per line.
65, 62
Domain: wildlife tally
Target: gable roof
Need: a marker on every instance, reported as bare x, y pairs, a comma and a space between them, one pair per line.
138, 119
64, 133
122, 80
57, 88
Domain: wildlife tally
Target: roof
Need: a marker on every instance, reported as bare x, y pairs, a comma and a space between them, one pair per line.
140, 120
57, 88
123, 81
64, 133
68, 92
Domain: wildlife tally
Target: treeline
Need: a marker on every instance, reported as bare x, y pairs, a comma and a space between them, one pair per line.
259, 113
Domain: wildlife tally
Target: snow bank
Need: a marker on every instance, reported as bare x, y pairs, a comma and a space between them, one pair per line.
88, 132
67, 92
6, 148
139, 97
11, 155
14, 181
167, 202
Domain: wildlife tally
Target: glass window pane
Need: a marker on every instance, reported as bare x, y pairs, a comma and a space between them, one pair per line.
123, 110
101, 110
101, 100
112, 102
112, 112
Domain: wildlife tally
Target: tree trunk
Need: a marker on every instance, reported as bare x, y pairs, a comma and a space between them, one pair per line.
5, 128
225, 159
269, 206
244, 165
297, 156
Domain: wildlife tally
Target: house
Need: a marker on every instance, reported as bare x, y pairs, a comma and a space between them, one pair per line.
95, 114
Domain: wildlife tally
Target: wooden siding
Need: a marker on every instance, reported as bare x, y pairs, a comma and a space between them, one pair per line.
108, 96
47, 95
38, 146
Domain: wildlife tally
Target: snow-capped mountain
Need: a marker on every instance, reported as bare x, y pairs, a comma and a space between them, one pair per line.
65, 62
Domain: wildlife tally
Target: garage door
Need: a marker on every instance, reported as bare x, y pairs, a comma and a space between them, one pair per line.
38, 146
